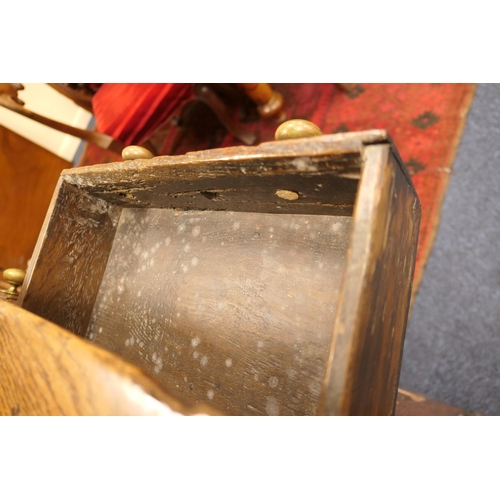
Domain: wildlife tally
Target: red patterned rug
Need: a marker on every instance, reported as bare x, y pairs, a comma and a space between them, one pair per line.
425, 120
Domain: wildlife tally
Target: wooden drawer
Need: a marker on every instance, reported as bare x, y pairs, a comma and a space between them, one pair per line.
267, 280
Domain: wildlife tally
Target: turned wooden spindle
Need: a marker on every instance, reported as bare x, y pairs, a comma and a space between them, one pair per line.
269, 102
15, 278
296, 129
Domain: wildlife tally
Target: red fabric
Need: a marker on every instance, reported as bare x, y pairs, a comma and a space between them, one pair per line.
425, 120
131, 112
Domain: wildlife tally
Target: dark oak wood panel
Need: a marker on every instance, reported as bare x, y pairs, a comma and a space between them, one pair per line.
235, 309
70, 258
365, 355
324, 174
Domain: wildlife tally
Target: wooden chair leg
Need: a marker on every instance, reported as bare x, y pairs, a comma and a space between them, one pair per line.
206, 95
269, 102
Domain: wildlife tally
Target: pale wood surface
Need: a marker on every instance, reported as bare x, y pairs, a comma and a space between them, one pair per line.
46, 370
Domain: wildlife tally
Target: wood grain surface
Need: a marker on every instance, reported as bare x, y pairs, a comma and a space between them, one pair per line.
46, 370
365, 355
235, 309
70, 258
252, 278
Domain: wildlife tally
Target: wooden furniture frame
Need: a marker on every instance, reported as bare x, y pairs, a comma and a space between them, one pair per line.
268, 101
257, 280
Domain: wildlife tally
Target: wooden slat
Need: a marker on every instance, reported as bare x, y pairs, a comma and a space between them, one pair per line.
46, 370
70, 257
365, 355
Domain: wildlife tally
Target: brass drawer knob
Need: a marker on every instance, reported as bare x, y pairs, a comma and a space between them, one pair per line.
15, 278
296, 129
136, 153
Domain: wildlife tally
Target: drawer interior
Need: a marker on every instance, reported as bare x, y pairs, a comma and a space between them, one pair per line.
231, 308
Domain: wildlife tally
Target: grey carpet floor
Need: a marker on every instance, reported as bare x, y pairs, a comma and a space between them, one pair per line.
452, 347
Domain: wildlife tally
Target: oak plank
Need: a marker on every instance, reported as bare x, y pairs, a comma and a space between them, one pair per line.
46, 370
365, 354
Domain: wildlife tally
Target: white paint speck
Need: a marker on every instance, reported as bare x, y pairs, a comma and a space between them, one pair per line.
185, 268
336, 226
210, 394
196, 354
236, 226
260, 344
272, 406
141, 344
187, 247
315, 388
195, 342
139, 293
100, 329
229, 362
204, 361
196, 231
194, 261
273, 382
